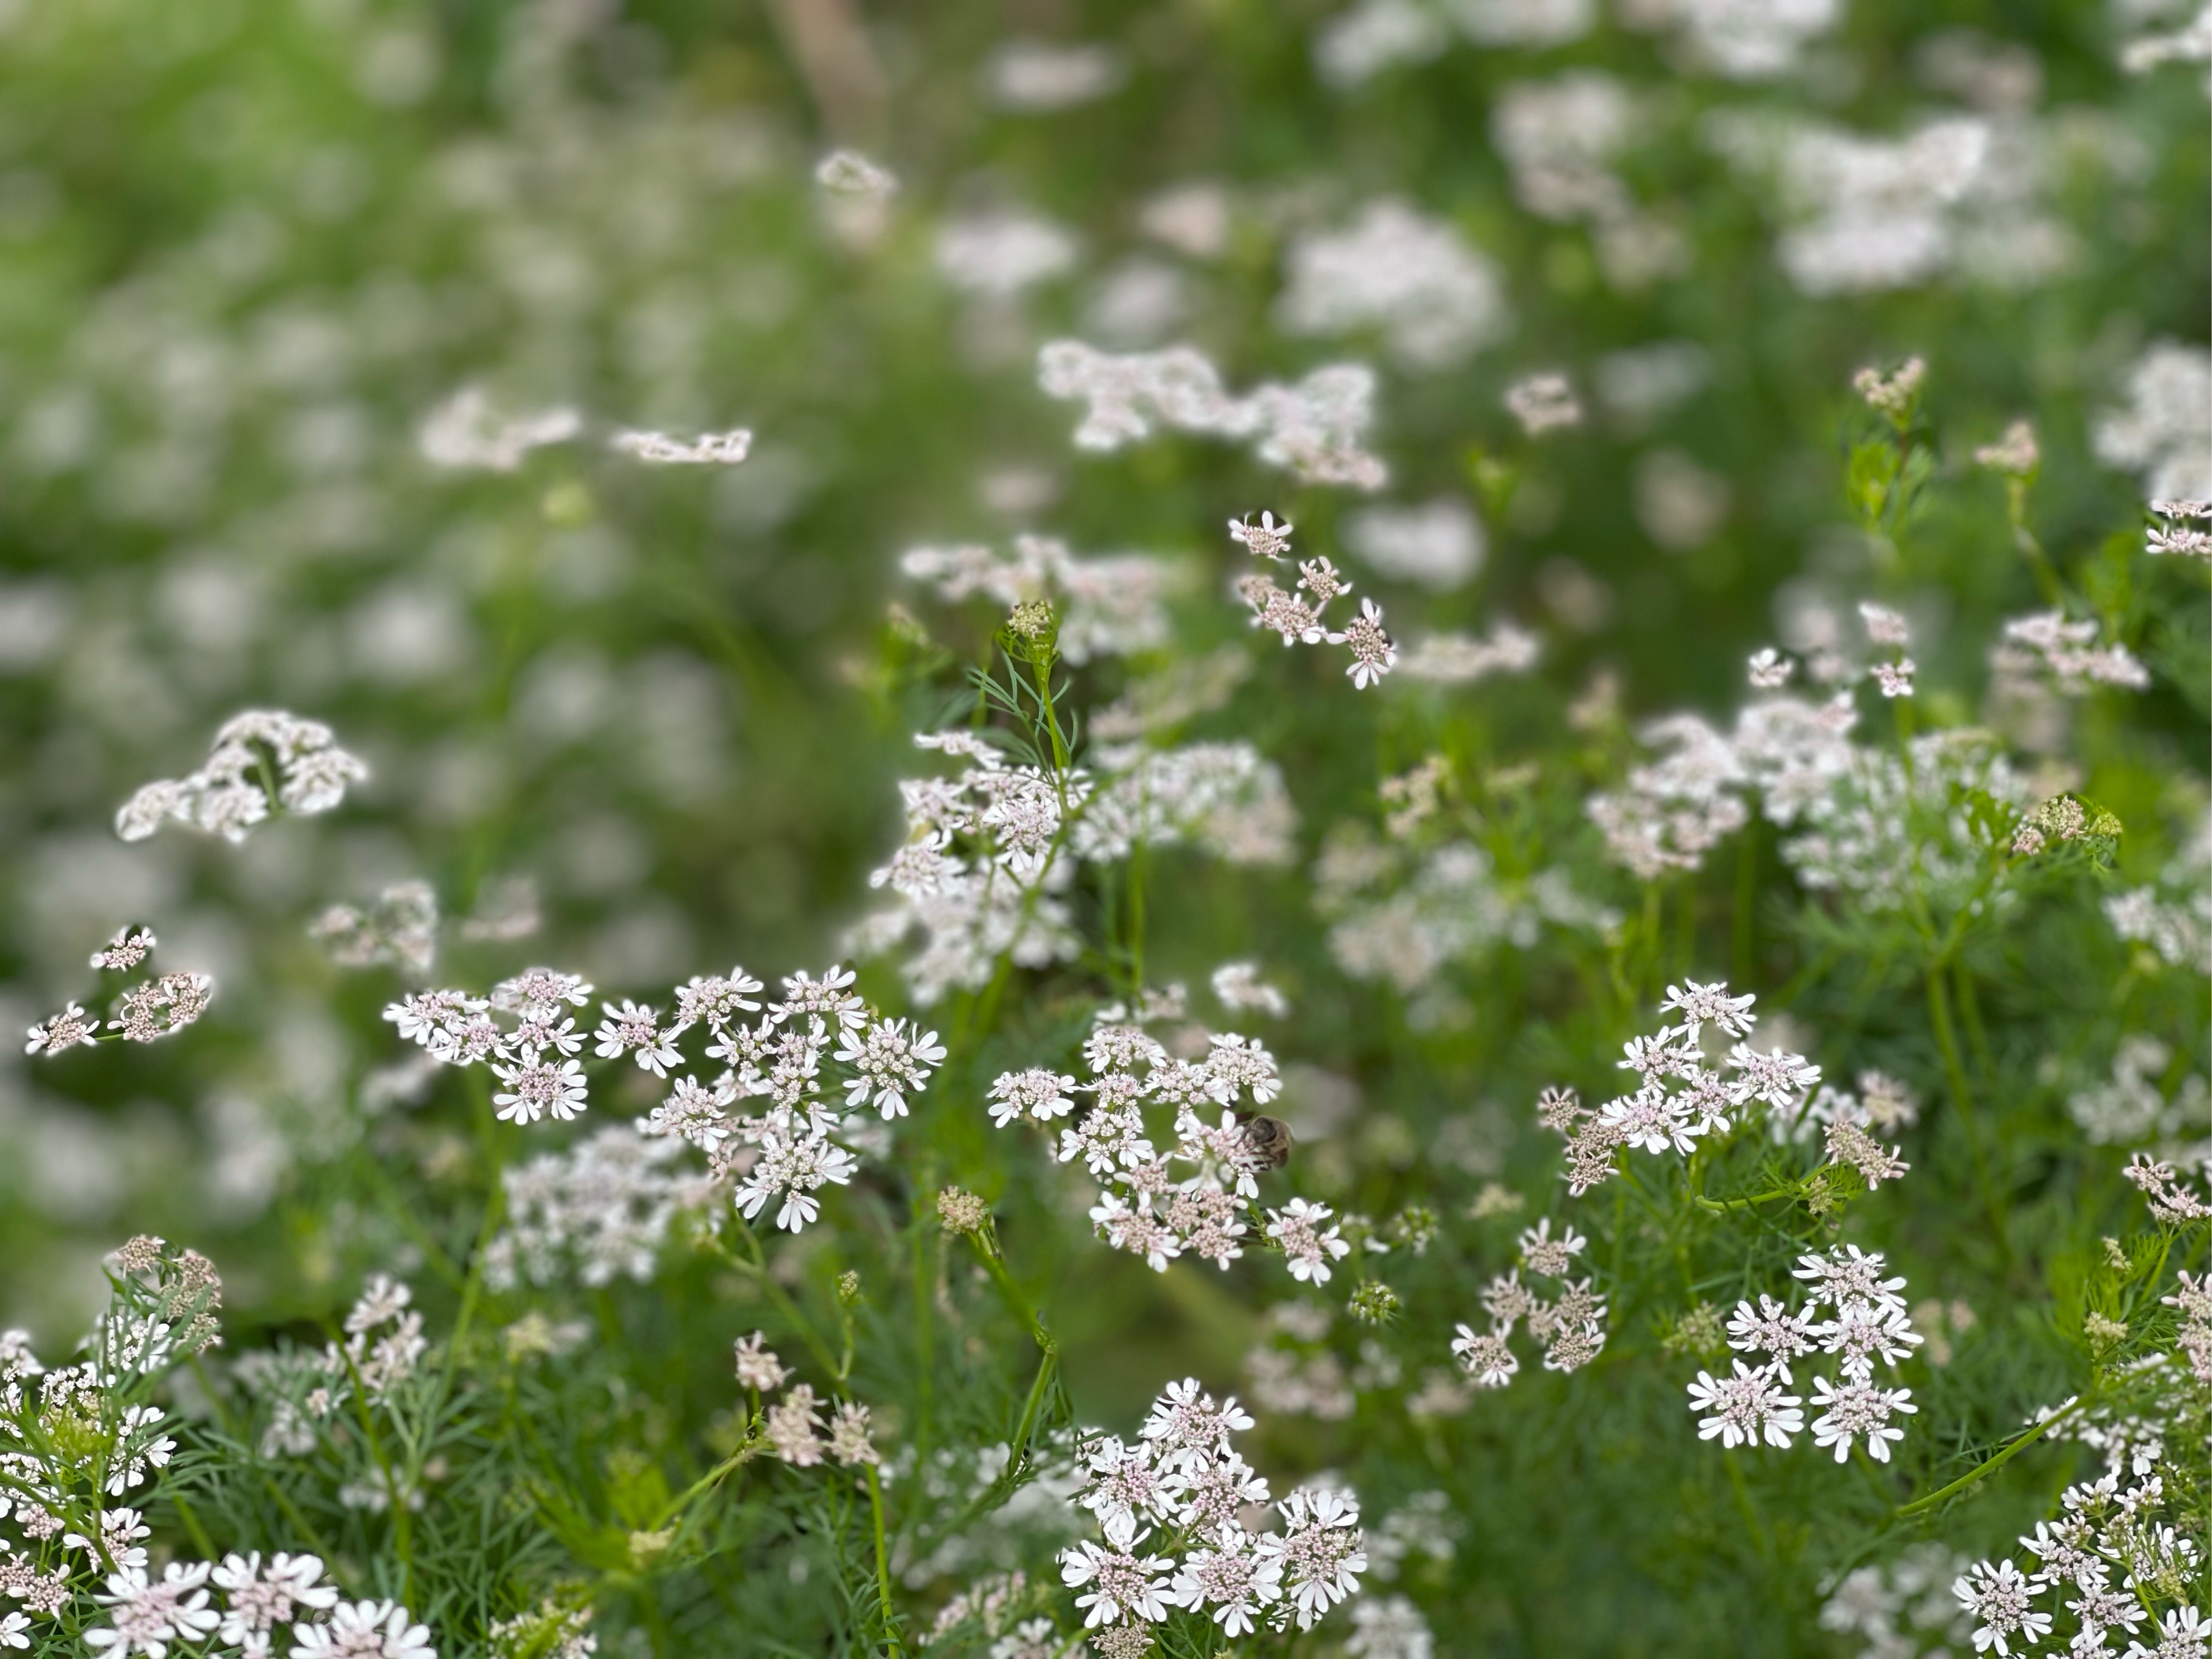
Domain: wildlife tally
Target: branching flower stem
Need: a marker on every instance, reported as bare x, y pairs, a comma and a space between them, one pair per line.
1991, 1464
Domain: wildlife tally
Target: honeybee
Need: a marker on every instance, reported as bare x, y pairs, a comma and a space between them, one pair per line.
1267, 1138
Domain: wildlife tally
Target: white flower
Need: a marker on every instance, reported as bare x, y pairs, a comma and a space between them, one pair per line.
1772, 1330
1322, 1550
633, 1027
261, 1598
1552, 1257
1998, 1598
1848, 1277
1883, 625
887, 1061
364, 1630
12, 1630
1746, 1407
1858, 1408
147, 1616
1488, 1359
1373, 653
1120, 1584
1699, 1004
1388, 1627
1239, 1582
382, 1299
709, 449
1307, 1247
1185, 1420
1769, 671
69, 1029
538, 1086
1038, 1093
798, 1168
1266, 539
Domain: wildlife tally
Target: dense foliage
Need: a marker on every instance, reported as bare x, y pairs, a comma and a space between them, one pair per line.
1456, 750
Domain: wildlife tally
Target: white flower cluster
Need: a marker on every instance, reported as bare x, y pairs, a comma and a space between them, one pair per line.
2174, 915
1183, 1478
787, 1154
1869, 824
2170, 1199
1959, 194
1375, 35
1402, 915
997, 252
306, 1388
1570, 1327
1740, 39
2163, 433
1303, 1379
400, 927
1871, 1323
1435, 300
1298, 620
989, 853
2176, 533
1112, 606
1311, 429
1904, 1607
75, 1438
606, 1205
1146, 1209
2133, 1105
1456, 658
145, 1013
2046, 643
792, 1427
2112, 1562
1679, 1098
464, 433
264, 761
153, 1616
707, 449
848, 173
1560, 140
1436, 544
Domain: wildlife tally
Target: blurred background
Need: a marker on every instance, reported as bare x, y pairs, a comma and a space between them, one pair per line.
636, 720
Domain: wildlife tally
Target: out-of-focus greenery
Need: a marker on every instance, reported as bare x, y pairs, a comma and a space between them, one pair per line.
247, 249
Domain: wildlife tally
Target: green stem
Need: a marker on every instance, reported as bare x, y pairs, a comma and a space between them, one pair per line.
1947, 1039
1722, 1206
883, 1565
402, 1520
1747, 898
1990, 1465
1137, 920
1041, 673
757, 1267
706, 1482
2046, 577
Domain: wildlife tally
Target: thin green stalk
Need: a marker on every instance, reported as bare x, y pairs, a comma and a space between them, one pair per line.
757, 1268
891, 1642
472, 1287
1746, 899
402, 1521
1137, 919
706, 1482
2046, 575
1722, 1206
201, 1542
1990, 1465
1947, 1039
925, 1322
